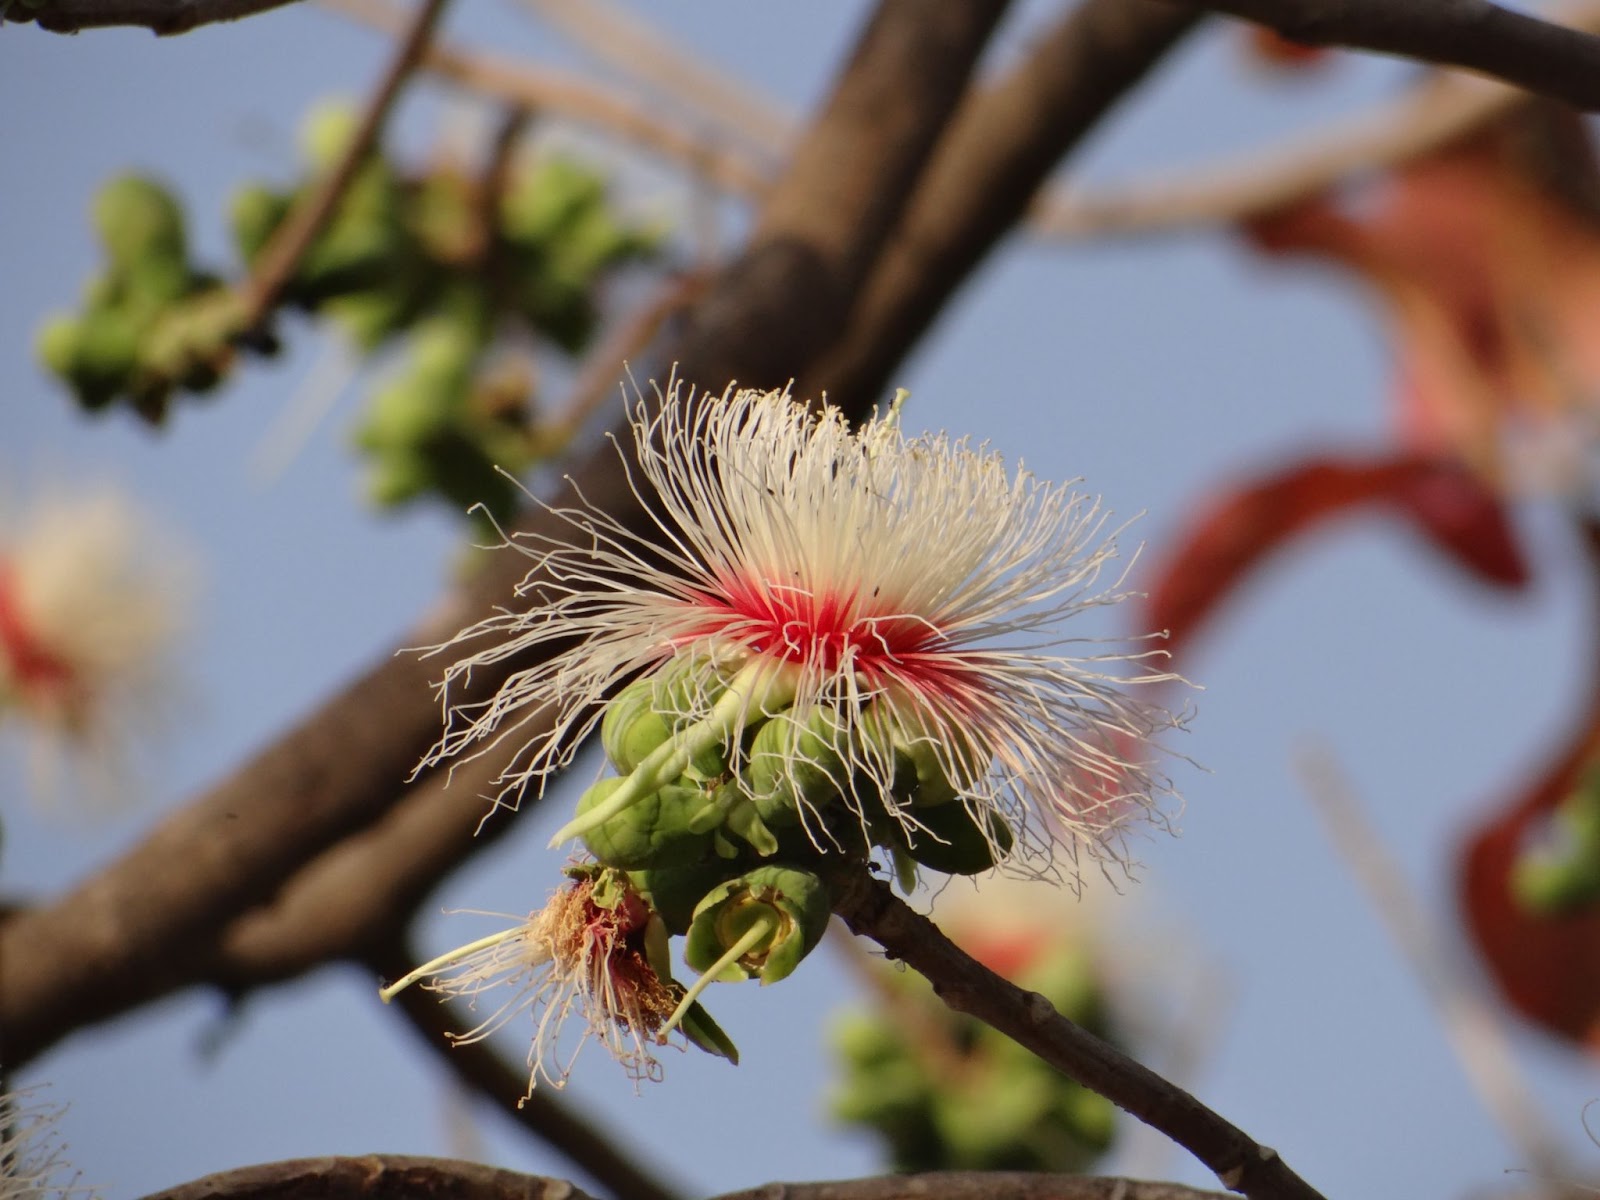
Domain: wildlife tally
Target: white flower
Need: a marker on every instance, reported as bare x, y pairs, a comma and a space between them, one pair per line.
573, 957
90, 600
911, 584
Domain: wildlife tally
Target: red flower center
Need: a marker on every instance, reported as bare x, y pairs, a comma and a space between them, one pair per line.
29, 662
826, 629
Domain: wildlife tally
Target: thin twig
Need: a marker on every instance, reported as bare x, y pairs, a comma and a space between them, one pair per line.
629, 341
1545, 58
290, 241
579, 100
966, 985
1474, 1031
628, 44
579, 1138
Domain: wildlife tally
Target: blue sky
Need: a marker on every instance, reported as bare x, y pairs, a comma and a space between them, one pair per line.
1153, 370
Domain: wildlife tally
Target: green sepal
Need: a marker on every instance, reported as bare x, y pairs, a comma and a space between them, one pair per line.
631, 727
742, 817
674, 892
654, 831
796, 901
705, 1033
905, 869
789, 764
951, 840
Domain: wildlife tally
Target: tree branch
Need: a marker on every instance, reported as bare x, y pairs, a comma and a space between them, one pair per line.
163, 17
373, 1177
871, 909
554, 1122
401, 1177
976, 1185
1545, 58
1002, 145
290, 241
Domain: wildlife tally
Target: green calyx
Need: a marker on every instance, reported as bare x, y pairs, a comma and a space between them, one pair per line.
951, 839
758, 687
760, 925
791, 764
664, 829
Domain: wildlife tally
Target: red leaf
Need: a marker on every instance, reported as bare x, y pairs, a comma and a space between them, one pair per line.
1547, 966
1451, 507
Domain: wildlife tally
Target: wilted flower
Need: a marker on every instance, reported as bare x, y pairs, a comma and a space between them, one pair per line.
90, 599
894, 602
583, 953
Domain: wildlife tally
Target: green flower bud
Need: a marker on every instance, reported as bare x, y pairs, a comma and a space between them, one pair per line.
922, 778
138, 220
56, 344
759, 925
326, 130
675, 891
951, 840
790, 765
254, 213
653, 832
631, 727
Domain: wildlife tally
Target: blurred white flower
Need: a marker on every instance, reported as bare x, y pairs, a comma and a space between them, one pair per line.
911, 591
91, 598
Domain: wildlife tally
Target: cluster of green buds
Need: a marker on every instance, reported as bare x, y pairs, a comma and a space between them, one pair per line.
1561, 874
945, 1092
727, 795
151, 321
452, 259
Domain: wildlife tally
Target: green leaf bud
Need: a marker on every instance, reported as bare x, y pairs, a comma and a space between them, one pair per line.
653, 832
951, 840
759, 925
631, 728
138, 220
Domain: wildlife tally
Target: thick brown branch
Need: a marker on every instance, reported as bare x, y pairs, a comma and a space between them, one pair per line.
1548, 59
372, 1177
290, 241
400, 1177
159, 16
556, 1122
1002, 145
976, 1185
843, 191
966, 985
